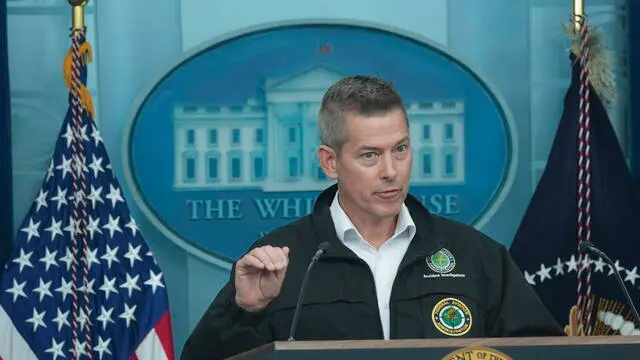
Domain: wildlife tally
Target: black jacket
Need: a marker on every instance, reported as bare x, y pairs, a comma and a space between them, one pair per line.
340, 301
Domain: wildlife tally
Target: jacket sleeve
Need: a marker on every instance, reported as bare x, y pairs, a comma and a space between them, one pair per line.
226, 329
514, 307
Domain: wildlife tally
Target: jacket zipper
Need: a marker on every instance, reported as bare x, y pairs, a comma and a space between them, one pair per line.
392, 309
375, 297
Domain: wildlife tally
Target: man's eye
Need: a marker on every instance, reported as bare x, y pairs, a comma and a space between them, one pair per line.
401, 148
369, 155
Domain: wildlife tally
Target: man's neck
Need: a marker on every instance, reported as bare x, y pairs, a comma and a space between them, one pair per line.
378, 232
374, 231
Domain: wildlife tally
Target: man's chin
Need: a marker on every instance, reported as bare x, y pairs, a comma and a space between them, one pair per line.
388, 210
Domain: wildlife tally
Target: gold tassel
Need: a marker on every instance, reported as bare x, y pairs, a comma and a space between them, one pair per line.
574, 328
66, 69
598, 63
86, 56
85, 99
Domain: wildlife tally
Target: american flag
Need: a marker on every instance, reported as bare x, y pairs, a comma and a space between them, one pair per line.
545, 246
81, 283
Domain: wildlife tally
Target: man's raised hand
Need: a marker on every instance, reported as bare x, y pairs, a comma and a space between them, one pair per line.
259, 276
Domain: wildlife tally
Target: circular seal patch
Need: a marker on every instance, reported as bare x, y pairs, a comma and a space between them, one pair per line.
442, 261
451, 317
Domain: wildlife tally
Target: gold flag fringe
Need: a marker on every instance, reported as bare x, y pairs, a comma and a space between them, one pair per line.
86, 56
574, 327
598, 62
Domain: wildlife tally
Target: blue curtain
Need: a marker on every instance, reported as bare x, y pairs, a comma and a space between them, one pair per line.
6, 194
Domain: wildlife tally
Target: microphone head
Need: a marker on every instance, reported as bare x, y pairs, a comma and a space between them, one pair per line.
324, 246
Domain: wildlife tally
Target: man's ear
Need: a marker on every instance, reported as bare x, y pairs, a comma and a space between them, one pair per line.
328, 159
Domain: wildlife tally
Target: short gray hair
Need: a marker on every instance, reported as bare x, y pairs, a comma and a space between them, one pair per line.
358, 94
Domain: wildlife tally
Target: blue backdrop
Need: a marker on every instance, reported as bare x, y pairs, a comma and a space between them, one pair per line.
634, 84
6, 195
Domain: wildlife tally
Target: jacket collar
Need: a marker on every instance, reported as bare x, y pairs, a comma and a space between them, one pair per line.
425, 242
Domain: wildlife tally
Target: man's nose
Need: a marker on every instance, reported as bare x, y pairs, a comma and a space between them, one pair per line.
388, 168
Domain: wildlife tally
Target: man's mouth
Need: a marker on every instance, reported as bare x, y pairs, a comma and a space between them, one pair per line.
388, 194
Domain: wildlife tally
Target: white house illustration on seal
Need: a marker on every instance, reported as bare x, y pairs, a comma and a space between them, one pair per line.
270, 143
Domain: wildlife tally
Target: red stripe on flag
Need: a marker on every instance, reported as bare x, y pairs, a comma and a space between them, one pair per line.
133, 357
163, 329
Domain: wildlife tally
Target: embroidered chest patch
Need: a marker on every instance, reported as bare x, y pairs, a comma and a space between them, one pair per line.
451, 317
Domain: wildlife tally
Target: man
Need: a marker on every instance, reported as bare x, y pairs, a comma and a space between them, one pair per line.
392, 271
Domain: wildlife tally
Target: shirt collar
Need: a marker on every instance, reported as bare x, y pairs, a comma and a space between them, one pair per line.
344, 226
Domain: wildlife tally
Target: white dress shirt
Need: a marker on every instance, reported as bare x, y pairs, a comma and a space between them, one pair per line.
384, 261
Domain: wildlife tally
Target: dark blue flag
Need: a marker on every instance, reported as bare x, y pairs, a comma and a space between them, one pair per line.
6, 218
545, 245
81, 282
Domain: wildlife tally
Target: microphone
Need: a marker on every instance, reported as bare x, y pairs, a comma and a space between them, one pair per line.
322, 248
585, 246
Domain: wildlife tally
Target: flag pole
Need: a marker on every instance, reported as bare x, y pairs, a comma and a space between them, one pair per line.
578, 14
77, 13
84, 54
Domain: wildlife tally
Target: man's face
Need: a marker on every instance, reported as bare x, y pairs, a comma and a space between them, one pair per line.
374, 166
